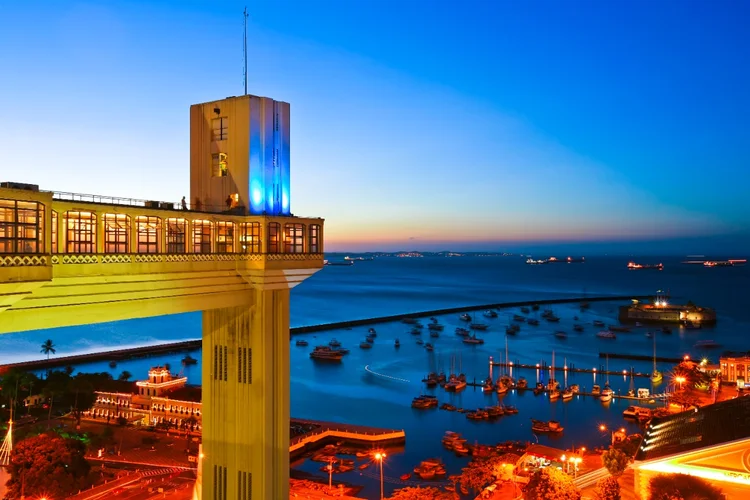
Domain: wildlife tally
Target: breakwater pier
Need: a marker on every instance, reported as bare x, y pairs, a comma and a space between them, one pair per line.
195, 344
545, 367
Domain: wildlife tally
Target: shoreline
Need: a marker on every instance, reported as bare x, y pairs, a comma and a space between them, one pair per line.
194, 345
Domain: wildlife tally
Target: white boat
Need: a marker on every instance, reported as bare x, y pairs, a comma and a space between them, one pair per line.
606, 395
473, 340
606, 334
567, 394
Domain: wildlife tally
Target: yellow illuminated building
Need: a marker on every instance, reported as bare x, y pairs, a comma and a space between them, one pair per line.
233, 251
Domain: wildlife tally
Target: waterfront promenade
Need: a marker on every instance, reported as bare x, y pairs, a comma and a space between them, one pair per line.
359, 434
195, 344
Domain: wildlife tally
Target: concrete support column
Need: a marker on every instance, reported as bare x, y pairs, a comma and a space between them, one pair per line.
246, 399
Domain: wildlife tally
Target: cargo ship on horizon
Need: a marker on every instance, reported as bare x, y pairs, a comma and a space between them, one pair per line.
634, 266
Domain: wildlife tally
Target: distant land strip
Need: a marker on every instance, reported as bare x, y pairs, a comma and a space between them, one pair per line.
194, 345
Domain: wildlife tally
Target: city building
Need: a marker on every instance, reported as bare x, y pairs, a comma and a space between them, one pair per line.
233, 251
163, 397
734, 368
711, 442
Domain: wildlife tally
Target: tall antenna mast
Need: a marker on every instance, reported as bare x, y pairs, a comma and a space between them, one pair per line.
244, 48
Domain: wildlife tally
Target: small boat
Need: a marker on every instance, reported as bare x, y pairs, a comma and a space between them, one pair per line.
511, 330
372, 331
666, 329
113, 364
420, 342
478, 326
433, 319
648, 335
473, 340
396, 344
405, 477
606, 334
435, 327
567, 394
434, 334
554, 394
605, 397
334, 343
689, 325
545, 427
535, 307
429, 346
370, 340
578, 328
415, 331
552, 319
365, 345
341, 350
561, 335
424, 402
533, 321
490, 314
519, 318
584, 305
189, 360
325, 353
465, 317
596, 390
575, 388
301, 343
598, 323
510, 410
447, 407
522, 383
706, 344
525, 310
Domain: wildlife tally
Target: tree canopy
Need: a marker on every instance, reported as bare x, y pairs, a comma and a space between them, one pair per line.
608, 489
551, 484
419, 493
48, 466
683, 487
481, 473
615, 461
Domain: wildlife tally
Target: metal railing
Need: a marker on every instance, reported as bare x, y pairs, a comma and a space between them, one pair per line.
164, 205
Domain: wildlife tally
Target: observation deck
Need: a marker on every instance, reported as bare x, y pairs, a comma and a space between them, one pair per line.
69, 259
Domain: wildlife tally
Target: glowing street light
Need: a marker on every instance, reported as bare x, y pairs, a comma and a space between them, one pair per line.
602, 427
679, 380
379, 456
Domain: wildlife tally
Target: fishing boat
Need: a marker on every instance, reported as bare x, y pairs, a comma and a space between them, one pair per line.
435, 327
415, 331
487, 387
434, 334
490, 314
465, 317
606, 334
325, 353
189, 360
578, 328
478, 326
462, 332
429, 346
301, 343
598, 323
656, 375
334, 343
519, 318
567, 394
396, 344
372, 331
525, 310
365, 345
561, 335
540, 426
420, 342
473, 339
533, 321
424, 402
552, 319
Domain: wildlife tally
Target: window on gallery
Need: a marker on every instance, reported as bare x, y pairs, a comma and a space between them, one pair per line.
149, 233
219, 166
250, 237
176, 235
294, 238
220, 128
80, 232
224, 237
274, 238
314, 237
21, 226
116, 233
201, 236
54, 232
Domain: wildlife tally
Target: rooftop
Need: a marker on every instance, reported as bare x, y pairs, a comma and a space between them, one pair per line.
695, 429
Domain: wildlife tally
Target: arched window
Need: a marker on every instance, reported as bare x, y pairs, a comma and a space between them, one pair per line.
21, 227
80, 232
201, 236
224, 237
250, 237
176, 235
313, 245
274, 238
116, 233
294, 238
149, 233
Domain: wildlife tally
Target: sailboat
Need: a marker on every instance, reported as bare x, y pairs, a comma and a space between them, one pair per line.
656, 375
606, 394
552, 385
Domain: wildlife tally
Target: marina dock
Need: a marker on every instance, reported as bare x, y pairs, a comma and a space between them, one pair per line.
359, 434
639, 357
545, 367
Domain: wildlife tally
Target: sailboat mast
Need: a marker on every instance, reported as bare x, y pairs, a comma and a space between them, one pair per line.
654, 353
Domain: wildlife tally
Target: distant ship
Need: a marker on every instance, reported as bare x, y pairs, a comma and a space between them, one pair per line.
338, 263
361, 259
633, 266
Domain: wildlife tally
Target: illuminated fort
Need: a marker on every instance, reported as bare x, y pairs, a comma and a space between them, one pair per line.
233, 250
661, 311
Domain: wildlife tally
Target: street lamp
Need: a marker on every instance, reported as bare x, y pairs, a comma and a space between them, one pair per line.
379, 456
680, 380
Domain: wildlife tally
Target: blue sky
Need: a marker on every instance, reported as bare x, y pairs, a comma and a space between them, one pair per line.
469, 125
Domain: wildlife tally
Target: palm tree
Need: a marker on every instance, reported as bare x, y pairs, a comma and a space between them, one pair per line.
48, 347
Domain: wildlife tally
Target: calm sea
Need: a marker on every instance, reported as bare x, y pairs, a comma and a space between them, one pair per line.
348, 393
